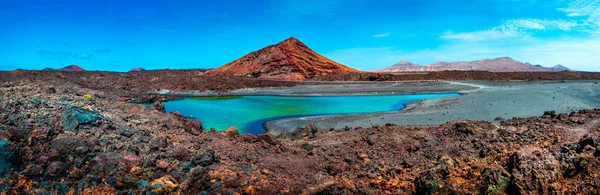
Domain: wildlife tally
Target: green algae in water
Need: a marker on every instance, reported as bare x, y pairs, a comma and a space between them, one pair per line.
216, 98
248, 113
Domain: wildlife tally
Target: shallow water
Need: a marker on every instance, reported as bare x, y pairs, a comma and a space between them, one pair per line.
249, 113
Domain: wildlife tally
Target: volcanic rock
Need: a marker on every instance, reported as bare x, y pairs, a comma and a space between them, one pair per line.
206, 158
587, 140
65, 144
231, 132
72, 68
159, 106
494, 181
267, 138
534, 170
131, 160
74, 116
289, 59
428, 182
193, 127
56, 169
197, 180
159, 142
463, 127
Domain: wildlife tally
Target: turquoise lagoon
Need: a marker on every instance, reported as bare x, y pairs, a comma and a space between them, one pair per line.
249, 113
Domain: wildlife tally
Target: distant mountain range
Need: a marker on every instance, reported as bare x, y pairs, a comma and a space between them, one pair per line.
70, 68
503, 64
138, 69
290, 59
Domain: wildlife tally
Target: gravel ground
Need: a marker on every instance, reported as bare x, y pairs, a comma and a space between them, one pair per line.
505, 99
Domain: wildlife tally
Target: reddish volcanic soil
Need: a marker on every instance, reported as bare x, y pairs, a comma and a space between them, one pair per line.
289, 60
55, 140
137, 84
72, 68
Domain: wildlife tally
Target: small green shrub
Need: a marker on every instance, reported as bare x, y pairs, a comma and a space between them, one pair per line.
87, 97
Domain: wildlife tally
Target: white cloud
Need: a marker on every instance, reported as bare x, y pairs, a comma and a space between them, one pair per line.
512, 28
589, 9
382, 35
515, 38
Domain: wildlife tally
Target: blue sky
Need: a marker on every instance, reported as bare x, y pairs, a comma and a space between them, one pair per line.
119, 35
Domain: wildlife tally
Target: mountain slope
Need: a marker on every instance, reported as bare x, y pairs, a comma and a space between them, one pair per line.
290, 59
503, 64
72, 68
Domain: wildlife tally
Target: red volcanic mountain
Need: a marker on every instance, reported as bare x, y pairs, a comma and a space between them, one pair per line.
72, 68
289, 59
504, 64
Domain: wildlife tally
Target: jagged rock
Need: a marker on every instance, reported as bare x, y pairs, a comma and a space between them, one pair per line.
549, 114
206, 158
180, 153
56, 169
463, 127
197, 180
534, 170
193, 127
159, 142
428, 182
494, 181
158, 105
105, 162
65, 144
33, 170
587, 140
231, 132
267, 138
131, 160
73, 117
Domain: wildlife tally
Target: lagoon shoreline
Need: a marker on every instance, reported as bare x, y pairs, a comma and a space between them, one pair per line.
485, 97
492, 100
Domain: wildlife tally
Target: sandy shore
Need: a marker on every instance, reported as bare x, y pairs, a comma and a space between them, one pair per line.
341, 88
481, 100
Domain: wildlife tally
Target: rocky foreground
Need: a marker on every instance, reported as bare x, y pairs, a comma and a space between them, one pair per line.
63, 137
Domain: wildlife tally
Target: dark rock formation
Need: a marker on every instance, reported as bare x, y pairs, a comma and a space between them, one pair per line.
534, 170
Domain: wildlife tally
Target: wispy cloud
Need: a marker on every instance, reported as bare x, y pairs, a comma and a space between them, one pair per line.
512, 28
588, 9
382, 35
